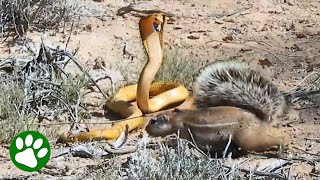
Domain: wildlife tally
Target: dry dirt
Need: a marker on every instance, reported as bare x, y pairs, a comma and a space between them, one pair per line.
281, 36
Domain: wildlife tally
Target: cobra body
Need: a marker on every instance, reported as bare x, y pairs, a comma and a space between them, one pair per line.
163, 94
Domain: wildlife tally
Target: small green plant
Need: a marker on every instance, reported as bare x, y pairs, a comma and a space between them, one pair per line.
130, 72
177, 67
14, 111
73, 87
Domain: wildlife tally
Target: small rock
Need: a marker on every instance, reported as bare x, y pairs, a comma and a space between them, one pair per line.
317, 168
309, 68
295, 48
193, 37
99, 64
217, 46
301, 35
229, 20
290, 2
245, 50
177, 28
290, 27
265, 62
227, 38
218, 21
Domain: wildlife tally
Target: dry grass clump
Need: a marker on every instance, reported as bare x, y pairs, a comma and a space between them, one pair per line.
18, 112
14, 111
177, 67
129, 71
175, 163
18, 16
38, 90
110, 169
178, 162
315, 98
164, 163
309, 93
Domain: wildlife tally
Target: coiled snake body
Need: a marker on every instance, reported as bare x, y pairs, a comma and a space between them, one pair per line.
164, 94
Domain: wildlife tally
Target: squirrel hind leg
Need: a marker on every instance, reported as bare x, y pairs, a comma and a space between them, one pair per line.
261, 139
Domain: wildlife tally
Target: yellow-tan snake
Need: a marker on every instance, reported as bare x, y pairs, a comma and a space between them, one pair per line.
163, 94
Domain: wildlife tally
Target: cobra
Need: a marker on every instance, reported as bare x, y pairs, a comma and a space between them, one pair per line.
134, 101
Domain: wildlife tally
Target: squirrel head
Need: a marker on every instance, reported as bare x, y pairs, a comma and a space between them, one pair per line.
160, 126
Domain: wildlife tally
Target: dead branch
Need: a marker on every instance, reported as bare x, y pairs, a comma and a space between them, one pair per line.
85, 72
310, 153
106, 77
230, 13
130, 8
194, 144
126, 150
303, 80
261, 173
313, 139
227, 146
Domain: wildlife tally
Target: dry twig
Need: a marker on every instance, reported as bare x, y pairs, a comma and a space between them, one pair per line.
130, 8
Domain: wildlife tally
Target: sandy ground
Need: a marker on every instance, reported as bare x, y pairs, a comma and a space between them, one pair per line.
281, 36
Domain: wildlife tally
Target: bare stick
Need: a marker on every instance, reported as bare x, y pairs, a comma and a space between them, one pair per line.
85, 72
260, 173
121, 151
303, 80
69, 37
313, 154
227, 147
107, 77
130, 8
231, 13
313, 139
194, 144
76, 109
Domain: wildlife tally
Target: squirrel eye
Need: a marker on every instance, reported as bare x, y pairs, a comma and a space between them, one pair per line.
153, 121
162, 119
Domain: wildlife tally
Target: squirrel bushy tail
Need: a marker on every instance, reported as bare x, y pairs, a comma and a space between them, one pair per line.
235, 83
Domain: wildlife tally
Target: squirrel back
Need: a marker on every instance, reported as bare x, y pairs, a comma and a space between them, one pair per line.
235, 83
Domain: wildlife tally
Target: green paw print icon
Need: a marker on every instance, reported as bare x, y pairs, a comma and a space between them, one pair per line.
30, 151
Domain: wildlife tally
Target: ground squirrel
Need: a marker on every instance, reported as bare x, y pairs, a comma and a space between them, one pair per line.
231, 99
